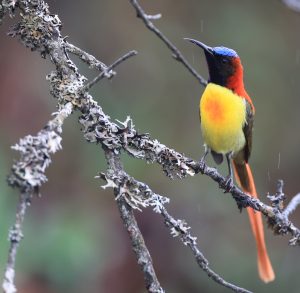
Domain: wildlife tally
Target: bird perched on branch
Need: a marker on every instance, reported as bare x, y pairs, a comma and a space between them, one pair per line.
226, 115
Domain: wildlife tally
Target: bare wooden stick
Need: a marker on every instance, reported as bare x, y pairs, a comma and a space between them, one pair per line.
108, 69
176, 53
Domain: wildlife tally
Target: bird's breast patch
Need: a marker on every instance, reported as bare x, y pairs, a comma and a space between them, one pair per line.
223, 115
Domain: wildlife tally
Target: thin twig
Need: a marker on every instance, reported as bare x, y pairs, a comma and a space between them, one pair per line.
15, 236
108, 69
293, 204
138, 195
191, 241
292, 4
89, 59
137, 241
278, 198
176, 53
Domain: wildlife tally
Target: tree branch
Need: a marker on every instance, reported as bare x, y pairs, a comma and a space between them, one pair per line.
7, 6
89, 59
105, 73
277, 219
181, 228
176, 53
292, 4
28, 174
126, 212
98, 127
40, 31
293, 204
138, 195
15, 236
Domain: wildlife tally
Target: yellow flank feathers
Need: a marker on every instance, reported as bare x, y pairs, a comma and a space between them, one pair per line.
223, 115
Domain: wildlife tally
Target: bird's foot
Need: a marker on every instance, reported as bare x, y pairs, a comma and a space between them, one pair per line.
202, 165
228, 185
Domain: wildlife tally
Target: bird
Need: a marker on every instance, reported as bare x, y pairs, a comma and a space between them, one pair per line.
226, 116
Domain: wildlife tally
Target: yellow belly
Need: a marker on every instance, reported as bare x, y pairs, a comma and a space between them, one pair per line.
223, 115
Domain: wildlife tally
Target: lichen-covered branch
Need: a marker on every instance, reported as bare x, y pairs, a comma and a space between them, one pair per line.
89, 59
41, 31
7, 6
28, 174
15, 236
139, 247
138, 195
277, 220
181, 229
99, 128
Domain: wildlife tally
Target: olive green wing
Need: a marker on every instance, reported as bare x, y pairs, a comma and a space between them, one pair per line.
247, 129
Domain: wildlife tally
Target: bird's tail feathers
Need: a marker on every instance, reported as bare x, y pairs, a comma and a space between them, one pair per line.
245, 180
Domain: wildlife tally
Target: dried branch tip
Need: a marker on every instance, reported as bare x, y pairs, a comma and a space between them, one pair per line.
278, 199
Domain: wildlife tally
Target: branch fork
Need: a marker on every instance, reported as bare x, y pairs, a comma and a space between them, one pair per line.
41, 31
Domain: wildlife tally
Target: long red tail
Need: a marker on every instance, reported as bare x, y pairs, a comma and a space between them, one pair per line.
245, 179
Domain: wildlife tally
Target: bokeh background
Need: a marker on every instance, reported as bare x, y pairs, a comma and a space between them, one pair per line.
74, 239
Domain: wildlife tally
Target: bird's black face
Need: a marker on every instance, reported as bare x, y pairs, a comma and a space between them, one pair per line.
220, 68
220, 61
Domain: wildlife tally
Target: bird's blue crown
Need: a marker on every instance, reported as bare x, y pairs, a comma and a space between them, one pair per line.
225, 51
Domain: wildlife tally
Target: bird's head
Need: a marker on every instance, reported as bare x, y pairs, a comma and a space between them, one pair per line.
224, 65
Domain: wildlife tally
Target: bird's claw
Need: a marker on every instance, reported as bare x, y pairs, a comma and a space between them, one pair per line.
202, 165
228, 185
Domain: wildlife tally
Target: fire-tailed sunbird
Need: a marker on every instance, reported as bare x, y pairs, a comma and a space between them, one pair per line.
226, 115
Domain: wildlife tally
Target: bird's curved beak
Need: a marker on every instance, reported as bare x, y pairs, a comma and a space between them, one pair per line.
201, 45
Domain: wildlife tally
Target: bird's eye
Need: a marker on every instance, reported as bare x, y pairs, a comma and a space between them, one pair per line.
224, 60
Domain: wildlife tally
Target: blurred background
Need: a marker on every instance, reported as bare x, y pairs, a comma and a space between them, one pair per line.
74, 238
